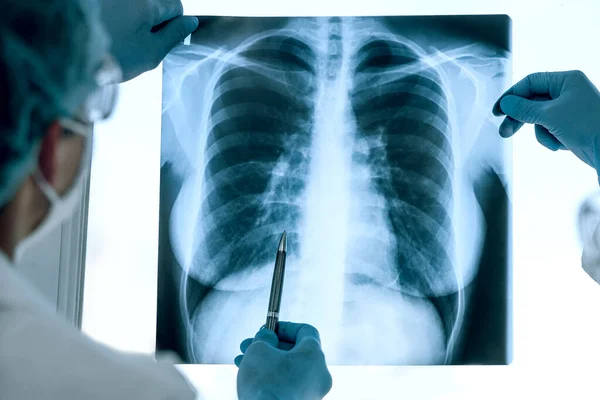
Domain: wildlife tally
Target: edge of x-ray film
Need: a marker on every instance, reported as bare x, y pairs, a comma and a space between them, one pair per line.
331, 154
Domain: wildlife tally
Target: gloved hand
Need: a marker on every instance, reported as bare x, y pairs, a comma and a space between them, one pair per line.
144, 31
286, 366
565, 108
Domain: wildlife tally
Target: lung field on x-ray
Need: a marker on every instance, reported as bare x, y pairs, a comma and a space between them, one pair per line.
257, 156
404, 139
344, 134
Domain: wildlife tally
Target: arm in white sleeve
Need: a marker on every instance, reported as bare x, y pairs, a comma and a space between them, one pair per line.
43, 357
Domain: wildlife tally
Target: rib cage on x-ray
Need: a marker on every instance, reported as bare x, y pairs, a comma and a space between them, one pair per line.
256, 152
339, 132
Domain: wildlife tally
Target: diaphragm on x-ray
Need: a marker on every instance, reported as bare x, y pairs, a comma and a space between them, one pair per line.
371, 141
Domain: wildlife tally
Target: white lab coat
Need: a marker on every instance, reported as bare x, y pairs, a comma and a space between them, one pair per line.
43, 357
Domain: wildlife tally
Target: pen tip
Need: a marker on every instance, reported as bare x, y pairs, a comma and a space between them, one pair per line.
283, 242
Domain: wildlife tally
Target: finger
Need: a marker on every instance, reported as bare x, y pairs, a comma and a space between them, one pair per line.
535, 84
547, 139
267, 336
174, 32
294, 333
285, 346
207, 20
524, 110
245, 344
203, 21
167, 10
238, 360
509, 127
326, 383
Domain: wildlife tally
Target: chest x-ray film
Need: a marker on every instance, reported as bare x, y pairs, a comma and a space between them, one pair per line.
371, 141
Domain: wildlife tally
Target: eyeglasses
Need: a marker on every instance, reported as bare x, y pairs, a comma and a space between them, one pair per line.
100, 104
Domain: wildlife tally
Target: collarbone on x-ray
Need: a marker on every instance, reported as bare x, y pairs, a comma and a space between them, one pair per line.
362, 139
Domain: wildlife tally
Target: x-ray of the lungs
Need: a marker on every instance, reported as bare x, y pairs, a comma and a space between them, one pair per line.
371, 141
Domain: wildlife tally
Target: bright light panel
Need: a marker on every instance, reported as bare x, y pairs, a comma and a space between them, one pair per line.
556, 328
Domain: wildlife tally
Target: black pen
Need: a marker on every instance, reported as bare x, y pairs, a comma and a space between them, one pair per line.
277, 285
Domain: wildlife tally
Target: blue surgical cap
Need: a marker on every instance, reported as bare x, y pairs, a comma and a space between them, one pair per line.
49, 51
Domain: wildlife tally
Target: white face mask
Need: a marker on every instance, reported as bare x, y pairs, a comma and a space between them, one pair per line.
61, 207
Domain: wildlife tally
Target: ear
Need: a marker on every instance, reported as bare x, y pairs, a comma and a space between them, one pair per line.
48, 160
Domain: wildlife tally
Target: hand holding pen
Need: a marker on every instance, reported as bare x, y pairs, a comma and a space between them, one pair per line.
284, 360
288, 365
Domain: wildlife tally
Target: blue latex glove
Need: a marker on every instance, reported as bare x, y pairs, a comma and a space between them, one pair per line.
565, 108
286, 366
144, 31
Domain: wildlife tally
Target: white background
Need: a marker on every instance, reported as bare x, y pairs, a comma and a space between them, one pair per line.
556, 317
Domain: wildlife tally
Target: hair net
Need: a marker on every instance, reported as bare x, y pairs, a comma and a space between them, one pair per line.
49, 51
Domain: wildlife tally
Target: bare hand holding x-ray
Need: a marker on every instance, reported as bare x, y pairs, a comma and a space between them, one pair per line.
371, 141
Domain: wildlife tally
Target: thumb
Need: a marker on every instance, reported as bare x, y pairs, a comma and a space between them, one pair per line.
175, 32
547, 139
267, 336
523, 110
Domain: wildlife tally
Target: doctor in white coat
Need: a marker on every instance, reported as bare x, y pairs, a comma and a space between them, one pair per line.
56, 69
